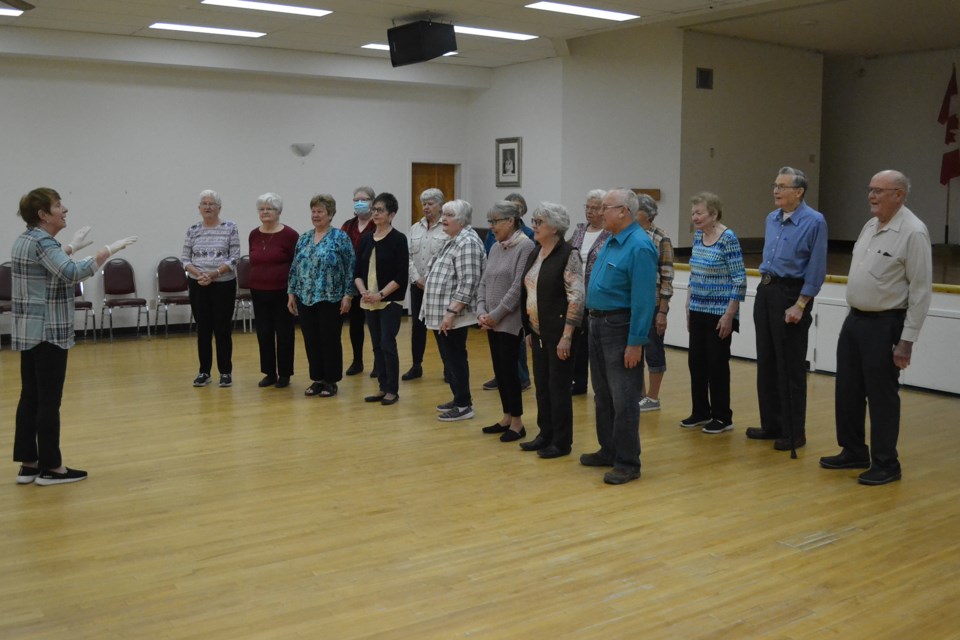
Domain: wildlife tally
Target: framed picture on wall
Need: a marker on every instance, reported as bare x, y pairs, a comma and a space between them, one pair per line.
508, 162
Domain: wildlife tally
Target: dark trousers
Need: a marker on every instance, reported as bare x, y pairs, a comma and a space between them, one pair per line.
358, 320
708, 358
617, 391
523, 372
504, 347
275, 332
867, 375
418, 330
554, 401
581, 358
384, 326
781, 360
43, 370
213, 310
321, 325
453, 350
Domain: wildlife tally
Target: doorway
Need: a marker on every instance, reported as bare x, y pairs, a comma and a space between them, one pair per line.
425, 176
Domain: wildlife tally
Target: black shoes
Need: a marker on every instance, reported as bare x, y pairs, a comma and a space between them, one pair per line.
374, 374
314, 389
759, 433
844, 461
490, 384
389, 401
785, 444
416, 371
536, 444
202, 379
694, 421
27, 475
376, 398
226, 380
717, 426
620, 476
267, 381
355, 368
282, 382
552, 452
52, 477
595, 460
496, 428
873, 477
512, 436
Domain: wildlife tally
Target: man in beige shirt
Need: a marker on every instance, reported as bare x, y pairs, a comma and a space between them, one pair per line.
888, 291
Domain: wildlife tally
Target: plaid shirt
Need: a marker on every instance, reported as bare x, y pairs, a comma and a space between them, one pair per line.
43, 281
454, 275
664, 263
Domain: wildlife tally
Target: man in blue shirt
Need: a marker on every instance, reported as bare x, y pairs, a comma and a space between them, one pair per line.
621, 299
791, 274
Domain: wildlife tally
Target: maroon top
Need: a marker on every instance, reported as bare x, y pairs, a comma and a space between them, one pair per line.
270, 258
352, 229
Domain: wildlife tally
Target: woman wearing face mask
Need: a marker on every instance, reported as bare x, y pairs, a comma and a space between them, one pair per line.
357, 227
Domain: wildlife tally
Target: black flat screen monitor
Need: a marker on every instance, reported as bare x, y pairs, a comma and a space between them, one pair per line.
420, 41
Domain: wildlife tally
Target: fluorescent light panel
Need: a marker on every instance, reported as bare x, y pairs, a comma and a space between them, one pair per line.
490, 33
266, 6
12, 13
211, 30
385, 47
582, 11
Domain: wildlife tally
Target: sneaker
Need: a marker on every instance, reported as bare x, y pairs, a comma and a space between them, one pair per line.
201, 380
457, 413
26, 475
446, 406
490, 385
717, 426
226, 380
693, 421
52, 477
649, 404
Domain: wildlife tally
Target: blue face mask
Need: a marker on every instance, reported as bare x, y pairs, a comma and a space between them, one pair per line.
361, 207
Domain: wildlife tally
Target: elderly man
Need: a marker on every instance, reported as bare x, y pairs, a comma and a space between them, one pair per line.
888, 291
426, 237
791, 274
621, 298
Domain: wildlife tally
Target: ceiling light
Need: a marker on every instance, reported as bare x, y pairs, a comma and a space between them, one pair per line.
13, 13
582, 11
211, 30
265, 6
378, 47
489, 33
450, 53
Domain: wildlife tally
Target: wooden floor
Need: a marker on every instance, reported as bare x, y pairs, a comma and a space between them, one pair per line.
259, 513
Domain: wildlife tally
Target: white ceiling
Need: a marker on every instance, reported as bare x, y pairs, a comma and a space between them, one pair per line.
835, 27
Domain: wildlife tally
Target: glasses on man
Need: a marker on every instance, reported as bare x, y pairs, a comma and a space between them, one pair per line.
783, 187
875, 191
611, 207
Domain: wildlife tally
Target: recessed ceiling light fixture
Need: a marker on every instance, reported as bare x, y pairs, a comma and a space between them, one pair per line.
490, 33
12, 13
377, 46
211, 30
582, 11
266, 6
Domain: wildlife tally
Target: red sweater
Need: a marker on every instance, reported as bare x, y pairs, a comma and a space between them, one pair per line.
270, 258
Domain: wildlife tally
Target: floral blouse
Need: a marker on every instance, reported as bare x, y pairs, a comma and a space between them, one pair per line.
322, 271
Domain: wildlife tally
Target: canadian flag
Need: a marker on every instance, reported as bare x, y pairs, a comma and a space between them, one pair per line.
950, 166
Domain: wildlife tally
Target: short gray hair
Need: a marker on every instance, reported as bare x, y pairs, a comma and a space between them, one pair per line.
210, 193
519, 200
648, 205
799, 178
630, 199
505, 209
553, 215
432, 195
271, 199
461, 210
367, 190
595, 194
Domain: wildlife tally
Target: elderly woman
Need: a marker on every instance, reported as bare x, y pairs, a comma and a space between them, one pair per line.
653, 351
381, 278
211, 250
426, 238
552, 307
272, 246
588, 238
718, 284
43, 276
356, 227
320, 290
449, 303
498, 313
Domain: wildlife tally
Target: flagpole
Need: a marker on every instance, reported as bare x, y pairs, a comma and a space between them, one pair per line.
946, 218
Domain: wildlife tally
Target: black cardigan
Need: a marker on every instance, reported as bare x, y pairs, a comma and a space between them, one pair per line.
551, 293
393, 261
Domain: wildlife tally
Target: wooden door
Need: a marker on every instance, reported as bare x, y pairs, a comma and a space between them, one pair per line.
426, 176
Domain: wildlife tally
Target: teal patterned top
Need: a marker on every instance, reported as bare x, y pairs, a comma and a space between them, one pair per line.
717, 275
323, 271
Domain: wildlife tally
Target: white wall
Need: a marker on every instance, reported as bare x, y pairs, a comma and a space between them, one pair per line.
763, 113
882, 114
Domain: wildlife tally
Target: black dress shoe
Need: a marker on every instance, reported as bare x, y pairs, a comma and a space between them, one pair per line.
355, 368
759, 433
595, 460
414, 373
496, 428
377, 398
513, 436
536, 444
553, 452
283, 381
620, 476
844, 461
785, 444
267, 381
875, 476
388, 401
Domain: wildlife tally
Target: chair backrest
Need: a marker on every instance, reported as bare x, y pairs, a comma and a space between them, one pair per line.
6, 281
78, 290
171, 278
118, 278
243, 272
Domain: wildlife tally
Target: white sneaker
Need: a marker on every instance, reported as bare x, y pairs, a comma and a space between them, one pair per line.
649, 404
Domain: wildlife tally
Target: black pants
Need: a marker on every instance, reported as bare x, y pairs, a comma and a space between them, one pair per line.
581, 358
358, 325
867, 375
213, 310
708, 359
384, 326
781, 360
43, 370
275, 332
504, 347
453, 350
321, 325
418, 330
551, 376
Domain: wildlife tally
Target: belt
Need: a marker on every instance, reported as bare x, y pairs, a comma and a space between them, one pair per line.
767, 278
595, 313
888, 313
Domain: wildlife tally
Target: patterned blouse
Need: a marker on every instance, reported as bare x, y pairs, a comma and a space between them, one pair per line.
322, 271
207, 248
717, 275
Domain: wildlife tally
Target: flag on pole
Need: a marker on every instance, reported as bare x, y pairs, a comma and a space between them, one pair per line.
950, 165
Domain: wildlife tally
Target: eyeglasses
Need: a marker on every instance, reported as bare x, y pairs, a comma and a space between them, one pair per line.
782, 187
537, 221
493, 221
875, 191
610, 207
591, 207
378, 210
209, 204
